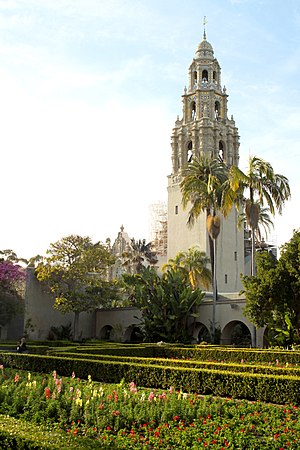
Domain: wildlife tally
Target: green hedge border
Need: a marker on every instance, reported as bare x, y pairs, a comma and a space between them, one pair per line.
269, 388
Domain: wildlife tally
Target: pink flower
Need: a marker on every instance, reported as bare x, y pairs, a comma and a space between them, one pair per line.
73, 375
151, 396
17, 378
132, 387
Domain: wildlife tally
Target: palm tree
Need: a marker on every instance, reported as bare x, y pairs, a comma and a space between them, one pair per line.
264, 186
193, 263
264, 223
203, 188
137, 253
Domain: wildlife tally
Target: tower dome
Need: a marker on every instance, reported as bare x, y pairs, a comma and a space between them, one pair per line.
204, 50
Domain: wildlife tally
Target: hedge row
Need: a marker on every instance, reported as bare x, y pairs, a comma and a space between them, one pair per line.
22, 435
270, 388
234, 367
197, 352
207, 353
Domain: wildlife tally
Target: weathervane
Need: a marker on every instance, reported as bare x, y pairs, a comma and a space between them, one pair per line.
204, 23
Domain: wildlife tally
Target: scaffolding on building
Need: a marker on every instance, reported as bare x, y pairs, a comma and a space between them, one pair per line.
159, 228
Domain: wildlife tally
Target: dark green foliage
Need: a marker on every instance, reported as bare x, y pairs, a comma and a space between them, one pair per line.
62, 332
273, 295
168, 303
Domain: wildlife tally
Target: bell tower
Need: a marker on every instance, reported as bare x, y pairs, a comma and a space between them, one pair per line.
205, 129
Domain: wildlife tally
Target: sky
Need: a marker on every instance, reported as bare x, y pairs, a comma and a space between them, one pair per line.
89, 94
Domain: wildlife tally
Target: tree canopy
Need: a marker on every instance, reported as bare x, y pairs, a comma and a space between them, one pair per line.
194, 263
168, 303
258, 186
12, 285
273, 295
74, 271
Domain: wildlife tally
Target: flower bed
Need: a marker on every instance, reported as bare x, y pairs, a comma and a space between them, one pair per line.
125, 416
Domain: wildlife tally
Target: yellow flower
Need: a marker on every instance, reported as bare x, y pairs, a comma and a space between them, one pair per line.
78, 401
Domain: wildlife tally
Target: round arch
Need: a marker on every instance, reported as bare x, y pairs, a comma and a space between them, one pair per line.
201, 333
133, 334
189, 149
106, 333
222, 150
236, 333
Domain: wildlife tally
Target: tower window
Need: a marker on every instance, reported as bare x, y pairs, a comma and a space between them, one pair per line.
204, 76
217, 110
190, 151
226, 278
235, 256
214, 76
195, 76
193, 110
176, 209
221, 151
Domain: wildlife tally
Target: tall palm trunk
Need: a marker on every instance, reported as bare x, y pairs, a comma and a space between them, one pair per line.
215, 291
253, 270
213, 228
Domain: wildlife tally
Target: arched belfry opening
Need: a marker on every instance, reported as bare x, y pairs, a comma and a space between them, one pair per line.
221, 154
190, 151
215, 76
193, 110
195, 77
217, 110
204, 76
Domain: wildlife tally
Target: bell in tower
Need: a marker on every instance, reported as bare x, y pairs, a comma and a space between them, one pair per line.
204, 129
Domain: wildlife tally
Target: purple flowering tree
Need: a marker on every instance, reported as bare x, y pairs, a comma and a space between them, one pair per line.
12, 286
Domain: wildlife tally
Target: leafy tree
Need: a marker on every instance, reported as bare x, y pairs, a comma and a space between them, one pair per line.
258, 186
138, 253
75, 273
203, 189
167, 303
193, 263
12, 285
273, 295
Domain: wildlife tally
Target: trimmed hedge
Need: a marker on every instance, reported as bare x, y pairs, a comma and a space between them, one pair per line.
21, 435
270, 388
208, 353
196, 352
252, 368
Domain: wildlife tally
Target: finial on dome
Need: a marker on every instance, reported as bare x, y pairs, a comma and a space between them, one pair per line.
204, 23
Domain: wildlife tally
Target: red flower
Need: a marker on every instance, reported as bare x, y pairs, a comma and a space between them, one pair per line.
176, 418
47, 393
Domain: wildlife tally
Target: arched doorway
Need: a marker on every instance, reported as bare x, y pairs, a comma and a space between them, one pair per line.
133, 334
236, 333
106, 332
201, 333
